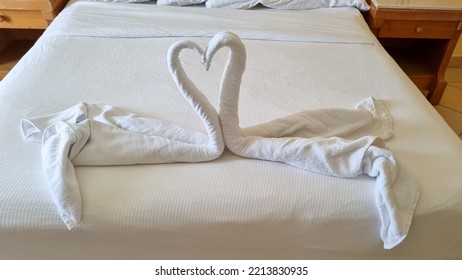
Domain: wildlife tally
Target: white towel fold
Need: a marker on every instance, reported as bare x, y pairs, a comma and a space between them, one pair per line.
320, 149
314, 140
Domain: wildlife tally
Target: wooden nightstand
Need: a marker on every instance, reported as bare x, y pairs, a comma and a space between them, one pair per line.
21, 23
421, 36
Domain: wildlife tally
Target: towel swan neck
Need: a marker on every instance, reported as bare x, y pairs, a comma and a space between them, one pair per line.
231, 79
207, 113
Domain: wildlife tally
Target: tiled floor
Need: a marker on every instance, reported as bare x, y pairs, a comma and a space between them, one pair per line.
450, 106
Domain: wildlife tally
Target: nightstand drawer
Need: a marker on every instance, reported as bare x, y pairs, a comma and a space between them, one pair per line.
22, 19
418, 29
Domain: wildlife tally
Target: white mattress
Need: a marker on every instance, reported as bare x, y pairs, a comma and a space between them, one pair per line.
231, 207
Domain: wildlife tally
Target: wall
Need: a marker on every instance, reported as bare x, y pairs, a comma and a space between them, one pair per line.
458, 50
456, 60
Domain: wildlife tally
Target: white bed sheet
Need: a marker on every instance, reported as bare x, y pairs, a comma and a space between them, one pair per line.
230, 207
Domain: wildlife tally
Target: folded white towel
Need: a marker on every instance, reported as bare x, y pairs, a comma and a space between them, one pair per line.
94, 134
320, 149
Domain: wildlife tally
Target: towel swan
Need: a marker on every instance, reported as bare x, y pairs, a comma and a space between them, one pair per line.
99, 134
396, 194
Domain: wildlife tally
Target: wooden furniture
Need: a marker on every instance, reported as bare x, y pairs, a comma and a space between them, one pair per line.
21, 23
421, 36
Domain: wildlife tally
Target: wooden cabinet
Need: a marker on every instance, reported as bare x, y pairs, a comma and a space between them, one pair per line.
21, 23
420, 36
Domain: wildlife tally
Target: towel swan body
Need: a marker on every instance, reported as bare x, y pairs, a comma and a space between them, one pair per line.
396, 197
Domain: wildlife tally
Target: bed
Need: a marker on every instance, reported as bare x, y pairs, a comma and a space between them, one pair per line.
229, 206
